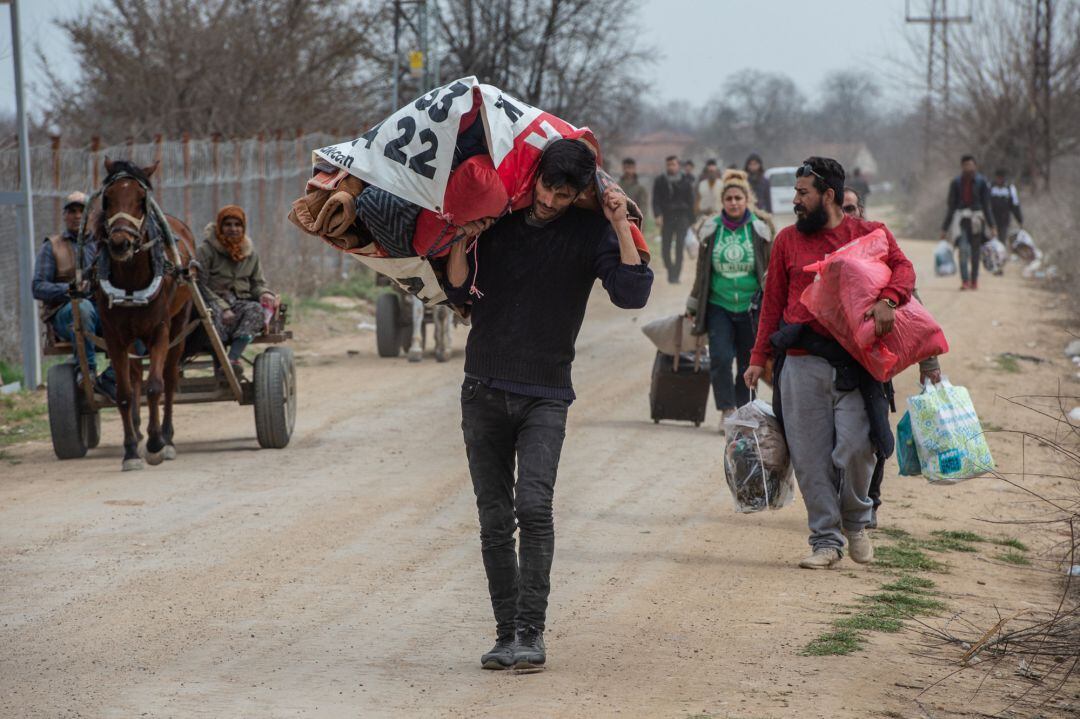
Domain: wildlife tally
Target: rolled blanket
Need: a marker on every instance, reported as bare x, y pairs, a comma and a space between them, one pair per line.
337, 214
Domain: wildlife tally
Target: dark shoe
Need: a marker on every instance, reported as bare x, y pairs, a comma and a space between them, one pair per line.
501, 655
872, 524
529, 650
105, 384
237, 368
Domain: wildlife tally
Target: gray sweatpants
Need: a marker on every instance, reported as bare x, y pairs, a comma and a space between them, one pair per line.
829, 438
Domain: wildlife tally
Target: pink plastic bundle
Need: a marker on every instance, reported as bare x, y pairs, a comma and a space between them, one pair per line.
848, 284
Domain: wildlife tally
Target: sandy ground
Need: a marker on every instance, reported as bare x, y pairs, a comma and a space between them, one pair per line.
341, 577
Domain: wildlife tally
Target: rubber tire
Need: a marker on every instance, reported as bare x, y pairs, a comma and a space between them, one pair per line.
65, 419
388, 324
275, 397
91, 427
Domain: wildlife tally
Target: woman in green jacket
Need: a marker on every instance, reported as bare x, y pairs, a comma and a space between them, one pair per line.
232, 282
731, 267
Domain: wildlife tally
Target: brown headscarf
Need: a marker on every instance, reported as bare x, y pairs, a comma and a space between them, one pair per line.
235, 247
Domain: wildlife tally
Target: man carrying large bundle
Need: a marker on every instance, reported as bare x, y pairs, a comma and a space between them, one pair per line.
529, 278
835, 414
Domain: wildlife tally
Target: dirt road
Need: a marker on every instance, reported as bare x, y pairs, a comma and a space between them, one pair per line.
342, 576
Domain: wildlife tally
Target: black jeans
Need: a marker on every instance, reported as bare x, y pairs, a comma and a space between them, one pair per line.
731, 337
500, 427
970, 245
673, 243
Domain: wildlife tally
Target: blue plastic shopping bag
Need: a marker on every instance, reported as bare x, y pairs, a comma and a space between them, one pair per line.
948, 436
906, 453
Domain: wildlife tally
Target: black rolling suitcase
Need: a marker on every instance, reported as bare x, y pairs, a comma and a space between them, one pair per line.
680, 387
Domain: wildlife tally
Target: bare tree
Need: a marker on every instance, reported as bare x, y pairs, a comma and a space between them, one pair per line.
575, 58
993, 71
847, 111
205, 66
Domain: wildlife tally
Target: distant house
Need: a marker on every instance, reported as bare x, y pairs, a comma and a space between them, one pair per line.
651, 149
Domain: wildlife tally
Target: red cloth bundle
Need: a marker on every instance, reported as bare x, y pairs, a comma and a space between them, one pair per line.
848, 284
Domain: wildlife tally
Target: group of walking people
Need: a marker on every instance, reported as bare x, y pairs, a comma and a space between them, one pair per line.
979, 211
517, 391
680, 198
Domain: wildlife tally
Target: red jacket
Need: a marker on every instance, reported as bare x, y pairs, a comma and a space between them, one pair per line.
786, 280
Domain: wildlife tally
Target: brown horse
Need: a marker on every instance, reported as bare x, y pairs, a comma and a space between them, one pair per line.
140, 296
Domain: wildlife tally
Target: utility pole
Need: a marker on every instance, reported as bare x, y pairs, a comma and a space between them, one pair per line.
937, 64
418, 21
23, 201
1040, 148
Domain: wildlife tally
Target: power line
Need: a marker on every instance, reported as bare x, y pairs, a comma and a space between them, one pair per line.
938, 20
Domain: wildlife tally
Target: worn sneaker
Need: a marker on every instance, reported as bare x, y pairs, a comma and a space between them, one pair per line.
822, 558
501, 655
529, 650
859, 547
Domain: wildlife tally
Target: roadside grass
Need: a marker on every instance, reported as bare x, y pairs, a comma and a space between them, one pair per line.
908, 594
1007, 363
10, 372
24, 416
1014, 557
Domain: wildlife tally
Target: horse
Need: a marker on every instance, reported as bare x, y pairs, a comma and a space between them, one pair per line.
141, 295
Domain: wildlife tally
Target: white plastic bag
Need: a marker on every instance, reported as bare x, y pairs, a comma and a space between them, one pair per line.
994, 255
692, 244
944, 262
948, 435
756, 460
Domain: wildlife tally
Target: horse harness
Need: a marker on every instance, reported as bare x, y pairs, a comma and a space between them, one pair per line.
149, 233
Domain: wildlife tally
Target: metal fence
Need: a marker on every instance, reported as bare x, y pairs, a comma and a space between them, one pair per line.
194, 179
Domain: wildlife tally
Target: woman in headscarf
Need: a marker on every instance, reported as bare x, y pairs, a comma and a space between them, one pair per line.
232, 282
731, 267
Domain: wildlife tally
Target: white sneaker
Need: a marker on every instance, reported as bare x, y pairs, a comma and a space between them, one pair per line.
822, 558
859, 547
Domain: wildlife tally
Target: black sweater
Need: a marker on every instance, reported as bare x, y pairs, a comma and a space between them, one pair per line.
534, 284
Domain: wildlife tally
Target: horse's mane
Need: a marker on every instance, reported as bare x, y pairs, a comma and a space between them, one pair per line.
130, 168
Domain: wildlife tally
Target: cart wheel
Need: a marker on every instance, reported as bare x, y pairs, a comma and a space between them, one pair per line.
91, 429
275, 397
65, 420
388, 324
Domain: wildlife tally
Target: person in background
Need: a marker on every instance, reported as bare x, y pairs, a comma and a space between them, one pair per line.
673, 208
834, 413
969, 195
731, 266
707, 198
860, 185
691, 170
54, 273
632, 186
230, 275
929, 369
1004, 204
759, 184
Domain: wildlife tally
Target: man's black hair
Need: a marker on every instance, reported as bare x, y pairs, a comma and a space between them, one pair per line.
567, 163
629, 161
965, 158
709, 163
833, 174
669, 158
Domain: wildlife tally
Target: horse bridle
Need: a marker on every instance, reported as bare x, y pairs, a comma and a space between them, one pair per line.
139, 240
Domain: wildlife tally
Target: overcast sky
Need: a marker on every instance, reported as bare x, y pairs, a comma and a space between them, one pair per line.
700, 42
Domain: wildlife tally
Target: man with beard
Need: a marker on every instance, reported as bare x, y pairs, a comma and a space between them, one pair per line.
825, 400
528, 302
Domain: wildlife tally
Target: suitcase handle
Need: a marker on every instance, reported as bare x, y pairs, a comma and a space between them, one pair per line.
699, 346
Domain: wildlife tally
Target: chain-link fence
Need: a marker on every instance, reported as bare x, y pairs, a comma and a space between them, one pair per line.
194, 179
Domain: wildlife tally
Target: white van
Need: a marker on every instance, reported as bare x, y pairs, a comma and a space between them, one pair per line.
781, 188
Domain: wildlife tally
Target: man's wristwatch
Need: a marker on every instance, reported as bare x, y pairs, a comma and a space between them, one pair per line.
889, 302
